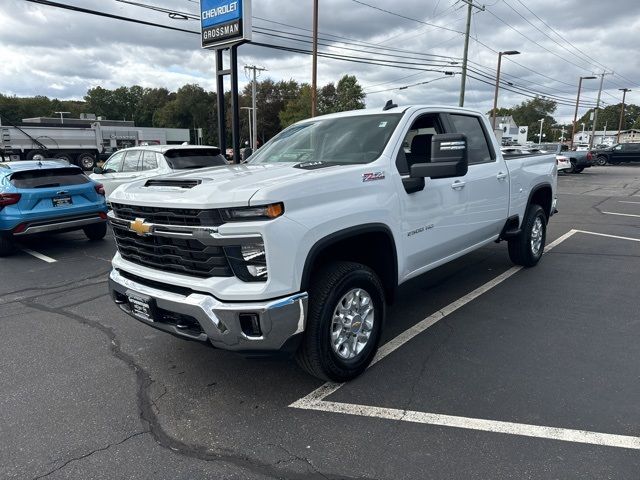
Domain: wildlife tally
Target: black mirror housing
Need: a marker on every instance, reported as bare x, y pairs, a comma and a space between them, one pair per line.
449, 158
98, 170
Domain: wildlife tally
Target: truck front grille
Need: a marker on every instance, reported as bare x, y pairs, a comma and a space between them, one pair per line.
177, 255
169, 216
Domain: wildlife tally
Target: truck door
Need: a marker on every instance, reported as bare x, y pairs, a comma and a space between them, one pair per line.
487, 181
433, 220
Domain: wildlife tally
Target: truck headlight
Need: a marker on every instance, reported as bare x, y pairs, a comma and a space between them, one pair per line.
246, 214
248, 262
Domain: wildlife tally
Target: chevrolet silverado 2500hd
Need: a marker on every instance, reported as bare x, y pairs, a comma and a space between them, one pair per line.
301, 248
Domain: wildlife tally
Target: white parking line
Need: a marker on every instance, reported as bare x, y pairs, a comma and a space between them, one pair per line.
316, 399
635, 203
621, 214
38, 255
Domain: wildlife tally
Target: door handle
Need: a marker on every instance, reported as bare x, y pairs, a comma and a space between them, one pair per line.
502, 176
458, 185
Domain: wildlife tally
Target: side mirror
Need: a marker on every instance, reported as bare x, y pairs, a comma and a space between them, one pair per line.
98, 170
449, 158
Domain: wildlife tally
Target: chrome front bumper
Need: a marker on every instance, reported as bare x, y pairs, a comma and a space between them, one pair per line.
279, 320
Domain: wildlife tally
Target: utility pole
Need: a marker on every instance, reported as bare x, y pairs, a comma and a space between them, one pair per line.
595, 113
540, 136
624, 97
254, 134
465, 58
575, 115
61, 116
314, 68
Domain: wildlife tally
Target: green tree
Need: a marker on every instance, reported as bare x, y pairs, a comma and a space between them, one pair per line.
350, 95
298, 108
530, 112
610, 117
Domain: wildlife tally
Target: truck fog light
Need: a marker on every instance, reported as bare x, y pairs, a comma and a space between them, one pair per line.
249, 262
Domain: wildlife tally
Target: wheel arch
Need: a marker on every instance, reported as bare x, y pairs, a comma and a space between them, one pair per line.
371, 244
542, 194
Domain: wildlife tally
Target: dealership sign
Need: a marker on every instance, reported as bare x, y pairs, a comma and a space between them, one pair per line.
225, 22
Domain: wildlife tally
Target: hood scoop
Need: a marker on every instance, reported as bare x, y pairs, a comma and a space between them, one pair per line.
185, 184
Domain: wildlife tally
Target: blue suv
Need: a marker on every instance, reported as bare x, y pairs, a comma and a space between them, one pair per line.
48, 196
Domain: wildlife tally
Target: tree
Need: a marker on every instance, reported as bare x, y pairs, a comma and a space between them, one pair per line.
298, 108
530, 112
610, 117
350, 94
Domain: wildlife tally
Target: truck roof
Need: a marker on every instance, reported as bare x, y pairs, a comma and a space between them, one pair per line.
396, 110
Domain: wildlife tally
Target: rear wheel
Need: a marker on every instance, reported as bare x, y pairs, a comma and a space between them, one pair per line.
578, 169
601, 161
96, 231
7, 246
37, 155
86, 161
346, 313
64, 156
527, 248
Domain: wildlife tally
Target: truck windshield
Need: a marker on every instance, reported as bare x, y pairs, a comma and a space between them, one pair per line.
185, 159
344, 140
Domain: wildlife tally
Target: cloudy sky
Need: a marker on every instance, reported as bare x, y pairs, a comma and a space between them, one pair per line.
60, 53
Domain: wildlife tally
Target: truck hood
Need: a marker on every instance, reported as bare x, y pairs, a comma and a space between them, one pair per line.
227, 186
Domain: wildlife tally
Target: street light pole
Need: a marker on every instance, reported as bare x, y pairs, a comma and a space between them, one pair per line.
595, 113
575, 115
249, 111
624, 96
495, 97
540, 137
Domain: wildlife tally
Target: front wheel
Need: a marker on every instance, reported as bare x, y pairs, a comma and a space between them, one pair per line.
527, 248
346, 314
95, 231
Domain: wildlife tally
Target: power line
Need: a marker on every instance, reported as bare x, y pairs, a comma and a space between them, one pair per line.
109, 15
410, 86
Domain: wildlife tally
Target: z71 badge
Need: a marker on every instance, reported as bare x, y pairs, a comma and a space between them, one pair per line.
372, 177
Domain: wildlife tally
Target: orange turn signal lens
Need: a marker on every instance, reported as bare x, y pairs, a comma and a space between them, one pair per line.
275, 210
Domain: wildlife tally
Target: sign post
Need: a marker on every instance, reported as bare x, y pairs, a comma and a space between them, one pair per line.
226, 24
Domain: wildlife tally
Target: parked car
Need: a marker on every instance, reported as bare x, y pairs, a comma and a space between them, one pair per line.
135, 163
619, 153
579, 159
48, 196
302, 248
563, 163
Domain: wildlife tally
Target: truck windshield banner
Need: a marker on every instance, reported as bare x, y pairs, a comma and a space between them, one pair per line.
225, 22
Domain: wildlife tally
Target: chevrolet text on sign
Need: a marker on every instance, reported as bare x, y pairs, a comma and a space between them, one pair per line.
225, 22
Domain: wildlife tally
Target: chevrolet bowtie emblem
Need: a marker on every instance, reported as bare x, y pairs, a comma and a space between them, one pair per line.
141, 228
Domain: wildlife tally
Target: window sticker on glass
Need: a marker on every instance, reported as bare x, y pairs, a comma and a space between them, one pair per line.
382, 124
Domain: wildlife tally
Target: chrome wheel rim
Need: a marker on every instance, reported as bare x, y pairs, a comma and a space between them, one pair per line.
536, 236
38, 157
87, 162
352, 324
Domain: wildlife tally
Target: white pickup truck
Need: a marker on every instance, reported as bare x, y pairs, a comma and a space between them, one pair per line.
301, 248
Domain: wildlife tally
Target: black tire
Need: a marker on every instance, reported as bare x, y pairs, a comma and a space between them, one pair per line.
95, 231
316, 354
601, 161
573, 167
66, 157
37, 155
7, 246
578, 169
86, 161
521, 248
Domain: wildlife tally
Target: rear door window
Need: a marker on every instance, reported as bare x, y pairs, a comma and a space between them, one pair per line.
131, 161
59, 177
476, 138
149, 161
187, 158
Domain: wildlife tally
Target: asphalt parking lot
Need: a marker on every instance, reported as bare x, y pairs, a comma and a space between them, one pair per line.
488, 371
